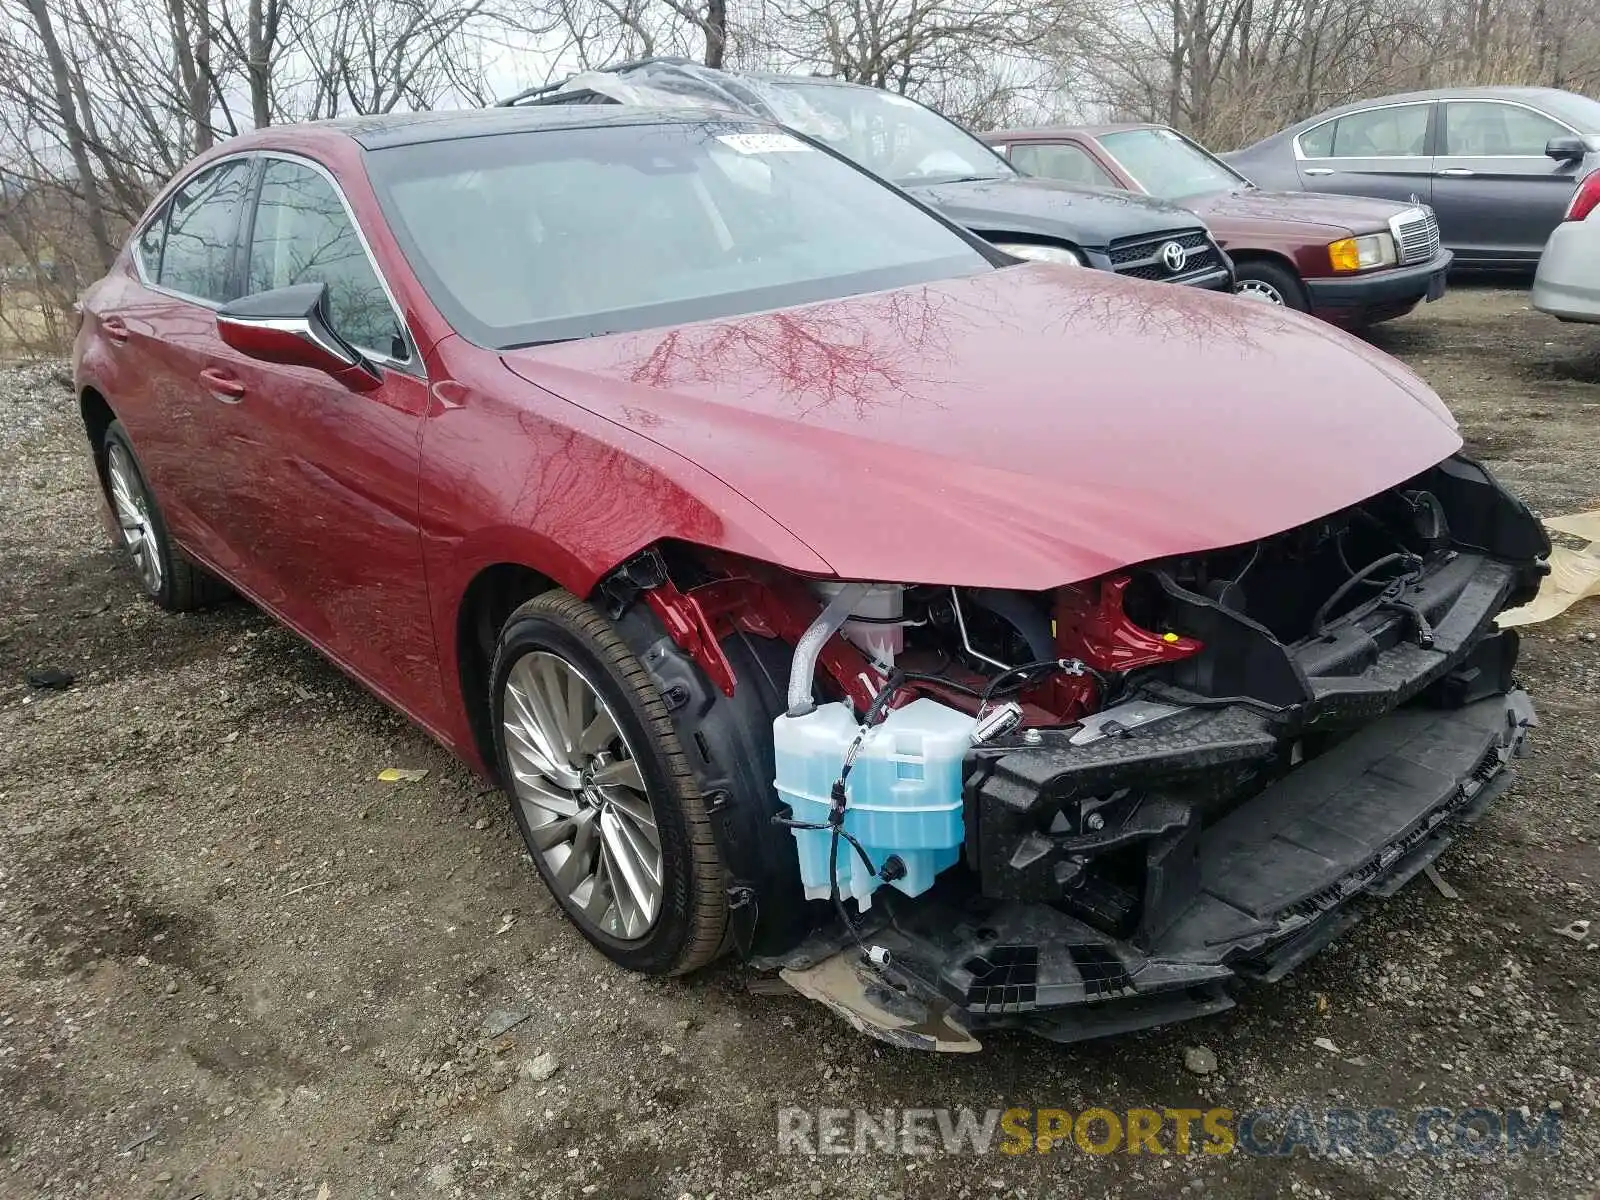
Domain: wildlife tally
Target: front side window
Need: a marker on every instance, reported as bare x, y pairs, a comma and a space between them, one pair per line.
1400, 131
1169, 165
303, 234
565, 233
202, 221
1068, 163
1484, 129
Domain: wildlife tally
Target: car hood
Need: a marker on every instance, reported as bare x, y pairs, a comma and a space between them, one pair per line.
1091, 217
1349, 214
1026, 428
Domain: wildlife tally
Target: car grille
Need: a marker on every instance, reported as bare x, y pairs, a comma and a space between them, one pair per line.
1142, 258
1416, 235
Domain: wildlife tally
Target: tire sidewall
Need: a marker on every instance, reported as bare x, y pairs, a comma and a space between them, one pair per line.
661, 948
117, 436
1282, 280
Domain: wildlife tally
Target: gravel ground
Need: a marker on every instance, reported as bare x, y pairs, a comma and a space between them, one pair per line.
233, 963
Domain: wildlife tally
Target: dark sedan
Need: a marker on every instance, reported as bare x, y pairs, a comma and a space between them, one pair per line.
936, 161
1350, 260
1497, 164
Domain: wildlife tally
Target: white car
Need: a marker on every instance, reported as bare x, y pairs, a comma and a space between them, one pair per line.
1567, 285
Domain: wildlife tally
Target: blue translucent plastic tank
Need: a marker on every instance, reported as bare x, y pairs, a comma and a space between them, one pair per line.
904, 792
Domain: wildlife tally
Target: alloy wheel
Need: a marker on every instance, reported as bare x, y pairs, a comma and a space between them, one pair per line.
1258, 289
587, 809
132, 508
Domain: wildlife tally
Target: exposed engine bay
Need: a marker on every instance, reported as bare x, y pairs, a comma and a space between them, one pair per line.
1137, 789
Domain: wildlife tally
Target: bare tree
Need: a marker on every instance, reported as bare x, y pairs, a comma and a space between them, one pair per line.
67, 113
1229, 71
101, 100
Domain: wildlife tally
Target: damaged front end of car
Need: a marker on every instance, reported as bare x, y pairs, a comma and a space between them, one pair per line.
1100, 809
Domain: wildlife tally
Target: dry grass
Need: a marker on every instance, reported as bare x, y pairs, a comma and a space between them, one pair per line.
31, 324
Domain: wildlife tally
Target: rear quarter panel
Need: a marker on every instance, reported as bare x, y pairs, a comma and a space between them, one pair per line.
1268, 164
128, 376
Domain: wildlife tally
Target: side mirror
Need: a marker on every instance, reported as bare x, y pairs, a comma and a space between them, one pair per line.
290, 326
1566, 149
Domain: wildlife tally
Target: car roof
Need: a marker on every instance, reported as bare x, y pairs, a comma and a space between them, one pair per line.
1528, 95
405, 129
684, 72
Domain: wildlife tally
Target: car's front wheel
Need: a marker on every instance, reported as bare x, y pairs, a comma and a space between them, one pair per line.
600, 788
1270, 283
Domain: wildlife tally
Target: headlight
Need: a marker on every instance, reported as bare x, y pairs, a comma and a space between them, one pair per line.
1359, 253
1055, 254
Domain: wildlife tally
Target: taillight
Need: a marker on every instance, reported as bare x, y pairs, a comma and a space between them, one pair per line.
1585, 198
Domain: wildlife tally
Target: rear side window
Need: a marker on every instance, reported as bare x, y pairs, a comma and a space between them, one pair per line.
1397, 132
1318, 142
303, 234
1068, 163
148, 247
202, 222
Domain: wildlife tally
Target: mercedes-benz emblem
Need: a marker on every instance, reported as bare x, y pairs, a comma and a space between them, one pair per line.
1174, 256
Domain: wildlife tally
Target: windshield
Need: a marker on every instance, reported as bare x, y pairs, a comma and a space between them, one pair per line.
890, 135
1168, 165
548, 235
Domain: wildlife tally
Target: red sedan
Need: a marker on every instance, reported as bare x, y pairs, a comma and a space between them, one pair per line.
1351, 260
969, 637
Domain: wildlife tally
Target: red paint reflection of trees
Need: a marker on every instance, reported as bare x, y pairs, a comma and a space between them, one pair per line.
854, 355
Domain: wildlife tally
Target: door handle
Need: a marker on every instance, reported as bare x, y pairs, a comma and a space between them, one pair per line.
1458, 172
115, 329
1320, 171
222, 386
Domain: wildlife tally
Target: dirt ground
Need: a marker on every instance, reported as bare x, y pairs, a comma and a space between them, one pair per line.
233, 963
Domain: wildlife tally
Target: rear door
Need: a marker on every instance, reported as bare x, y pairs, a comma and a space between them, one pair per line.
1496, 192
332, 476
1386, 151
185, 258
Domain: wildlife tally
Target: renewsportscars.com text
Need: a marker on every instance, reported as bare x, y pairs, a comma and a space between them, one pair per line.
1260, 1132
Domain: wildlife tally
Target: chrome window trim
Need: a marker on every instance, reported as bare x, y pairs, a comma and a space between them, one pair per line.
1538, 112
411, 364
1301, 156
162, 211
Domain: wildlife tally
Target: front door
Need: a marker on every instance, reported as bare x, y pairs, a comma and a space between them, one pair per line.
1384, 152
1497, 194
333, 487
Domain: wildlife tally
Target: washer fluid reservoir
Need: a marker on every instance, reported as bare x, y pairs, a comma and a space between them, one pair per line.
904, 792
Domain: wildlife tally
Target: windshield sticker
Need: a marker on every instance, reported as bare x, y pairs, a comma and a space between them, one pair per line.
762, 143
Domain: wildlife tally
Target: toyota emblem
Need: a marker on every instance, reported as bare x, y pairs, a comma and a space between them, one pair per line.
1174, 256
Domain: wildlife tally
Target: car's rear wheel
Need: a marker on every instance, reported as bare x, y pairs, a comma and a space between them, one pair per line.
1270, 283
601, 791
167, 575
